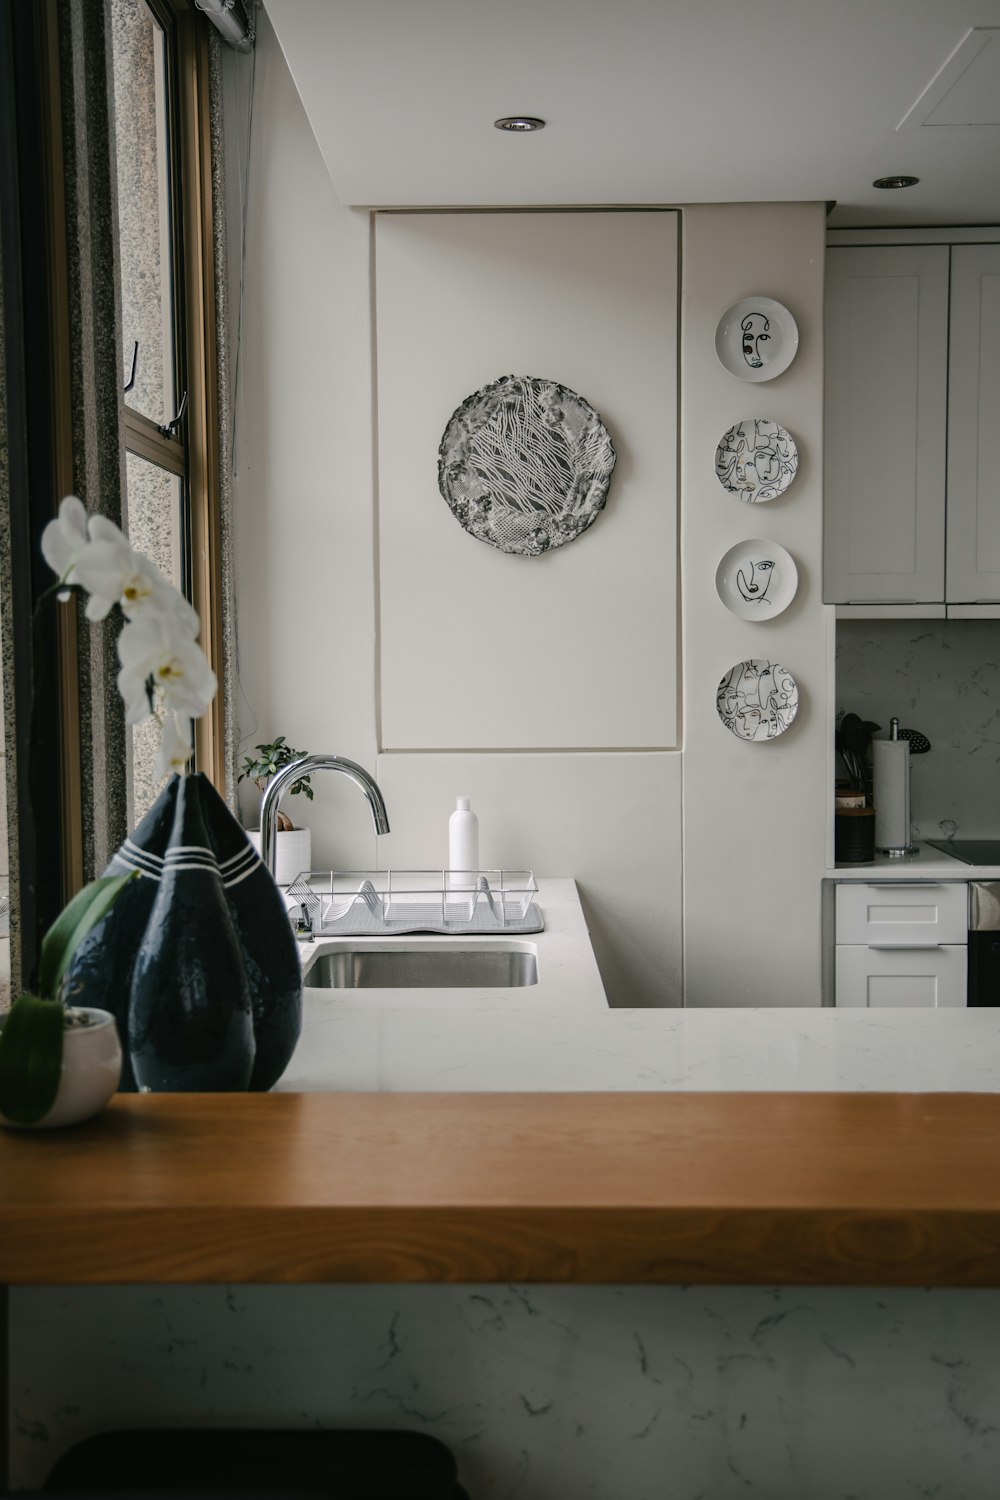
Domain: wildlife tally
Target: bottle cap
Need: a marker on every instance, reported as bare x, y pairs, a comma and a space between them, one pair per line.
463, 804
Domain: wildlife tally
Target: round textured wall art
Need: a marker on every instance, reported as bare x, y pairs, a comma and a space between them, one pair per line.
525, 464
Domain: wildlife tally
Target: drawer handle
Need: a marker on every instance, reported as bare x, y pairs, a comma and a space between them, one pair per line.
910, 947
906, 885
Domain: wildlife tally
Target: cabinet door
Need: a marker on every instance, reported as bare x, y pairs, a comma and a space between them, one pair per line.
884, 438
898, 977
973, 425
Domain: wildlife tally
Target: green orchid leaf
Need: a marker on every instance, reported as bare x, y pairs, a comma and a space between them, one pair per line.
31, 1047
72, 925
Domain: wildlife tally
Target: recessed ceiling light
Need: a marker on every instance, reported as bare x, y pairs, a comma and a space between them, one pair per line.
895, 182
519, 123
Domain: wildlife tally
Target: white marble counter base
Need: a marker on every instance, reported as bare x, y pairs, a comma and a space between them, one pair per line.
544, 1392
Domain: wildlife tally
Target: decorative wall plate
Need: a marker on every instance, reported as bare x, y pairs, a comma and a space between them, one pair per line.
756, 339
756, 460
525, 464
756, 580
757, 699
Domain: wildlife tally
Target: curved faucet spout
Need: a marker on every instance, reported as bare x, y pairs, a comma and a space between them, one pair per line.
304, 767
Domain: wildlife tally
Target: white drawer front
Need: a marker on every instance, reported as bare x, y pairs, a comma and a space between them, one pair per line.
918, 913
884, 977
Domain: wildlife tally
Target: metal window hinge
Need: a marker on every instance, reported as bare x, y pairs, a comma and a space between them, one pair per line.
169, 429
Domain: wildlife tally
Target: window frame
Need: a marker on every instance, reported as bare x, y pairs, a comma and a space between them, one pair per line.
53, 840
194, 456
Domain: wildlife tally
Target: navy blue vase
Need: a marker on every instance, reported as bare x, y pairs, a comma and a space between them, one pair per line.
102, 969
190, 1021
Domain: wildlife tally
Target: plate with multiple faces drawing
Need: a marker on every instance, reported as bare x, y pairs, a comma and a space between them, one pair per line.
756, 460
756, 339
757, 699
756, 579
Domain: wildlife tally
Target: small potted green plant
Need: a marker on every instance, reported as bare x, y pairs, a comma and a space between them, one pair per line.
60, 1062
294, 844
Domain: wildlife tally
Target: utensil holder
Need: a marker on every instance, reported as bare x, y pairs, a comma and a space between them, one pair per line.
854, 835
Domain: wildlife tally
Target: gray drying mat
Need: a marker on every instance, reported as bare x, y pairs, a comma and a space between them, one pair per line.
360, 922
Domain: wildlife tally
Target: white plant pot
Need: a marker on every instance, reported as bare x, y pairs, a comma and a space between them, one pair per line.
294, 852
91, 1069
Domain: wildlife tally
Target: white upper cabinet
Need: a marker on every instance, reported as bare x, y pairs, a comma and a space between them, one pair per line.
973, 425
885, 424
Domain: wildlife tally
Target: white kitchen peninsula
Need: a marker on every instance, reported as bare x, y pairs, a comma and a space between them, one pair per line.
738, 1049
552, 1391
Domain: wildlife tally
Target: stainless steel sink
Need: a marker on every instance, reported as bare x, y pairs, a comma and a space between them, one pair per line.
496, 966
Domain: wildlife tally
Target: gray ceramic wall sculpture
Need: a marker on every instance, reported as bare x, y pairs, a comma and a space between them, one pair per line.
525, 464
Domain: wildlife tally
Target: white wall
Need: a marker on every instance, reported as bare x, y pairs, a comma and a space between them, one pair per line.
754, 816
575, 649
303, 484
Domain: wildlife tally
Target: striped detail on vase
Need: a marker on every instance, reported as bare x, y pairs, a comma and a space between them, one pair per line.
232, 871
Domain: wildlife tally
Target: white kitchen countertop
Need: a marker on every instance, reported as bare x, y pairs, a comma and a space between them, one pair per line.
559, 1035
729, 1049
924, 864
567, 969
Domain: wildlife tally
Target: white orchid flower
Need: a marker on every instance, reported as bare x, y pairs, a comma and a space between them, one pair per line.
155, 647
64, 539
175, 749
113, 573
158, 647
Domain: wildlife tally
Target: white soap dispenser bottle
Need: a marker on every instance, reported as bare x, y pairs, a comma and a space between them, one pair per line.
463, 842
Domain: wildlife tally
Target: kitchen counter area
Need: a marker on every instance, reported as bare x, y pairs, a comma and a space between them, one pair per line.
925, 863
478, 1264
566, 972
582, 1246
738, 1049
576, 1291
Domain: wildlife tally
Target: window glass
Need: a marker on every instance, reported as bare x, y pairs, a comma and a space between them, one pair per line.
144, 207
153, 519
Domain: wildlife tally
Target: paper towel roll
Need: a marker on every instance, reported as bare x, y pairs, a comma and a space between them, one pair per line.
891, 791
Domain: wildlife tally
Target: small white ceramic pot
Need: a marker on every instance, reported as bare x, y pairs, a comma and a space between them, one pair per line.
91, 1068
294, 852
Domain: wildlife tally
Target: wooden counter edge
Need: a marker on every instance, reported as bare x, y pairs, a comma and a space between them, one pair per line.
250, 1188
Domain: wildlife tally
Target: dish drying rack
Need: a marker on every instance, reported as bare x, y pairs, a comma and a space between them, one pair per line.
381, 903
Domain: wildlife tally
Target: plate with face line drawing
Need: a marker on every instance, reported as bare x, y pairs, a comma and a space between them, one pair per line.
756, 579
757, 699
756, 339
756, 460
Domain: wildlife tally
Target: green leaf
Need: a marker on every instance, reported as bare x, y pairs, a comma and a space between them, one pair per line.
31, 1047
72, 925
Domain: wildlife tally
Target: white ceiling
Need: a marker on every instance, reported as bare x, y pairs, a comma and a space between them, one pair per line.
654, 101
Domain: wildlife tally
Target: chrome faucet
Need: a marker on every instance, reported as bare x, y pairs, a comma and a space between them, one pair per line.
304, 767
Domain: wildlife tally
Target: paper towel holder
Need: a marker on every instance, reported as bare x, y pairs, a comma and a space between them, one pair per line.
897, 851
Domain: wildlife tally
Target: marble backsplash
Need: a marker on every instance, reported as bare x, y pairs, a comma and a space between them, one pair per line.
943, 678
